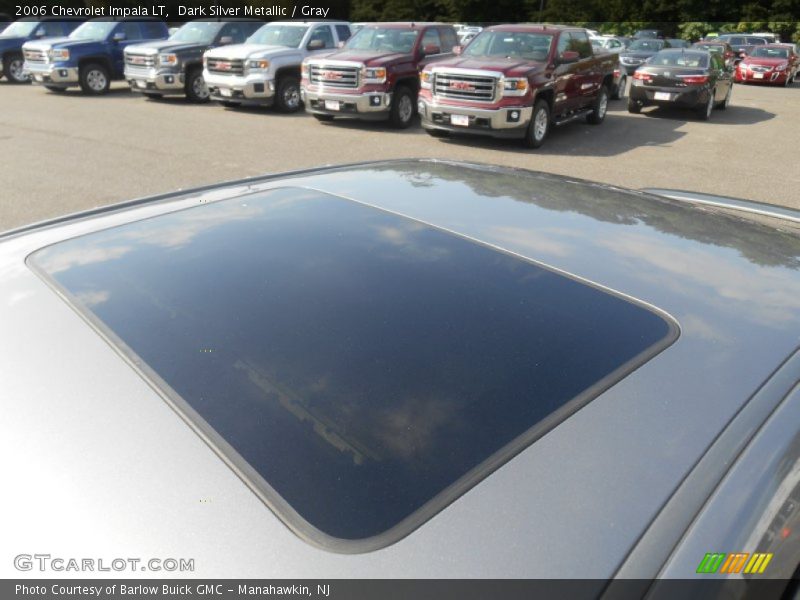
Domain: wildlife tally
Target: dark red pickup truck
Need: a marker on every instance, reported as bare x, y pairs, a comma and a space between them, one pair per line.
376, 75
517, 81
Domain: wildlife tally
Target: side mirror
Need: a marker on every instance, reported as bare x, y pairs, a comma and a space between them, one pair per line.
457, 50
225, 40
431, 49
40, 33
118, 37
568, 56
316, 45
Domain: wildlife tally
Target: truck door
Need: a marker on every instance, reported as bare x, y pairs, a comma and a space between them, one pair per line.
588, 73
324, 34
133, 35
564, 79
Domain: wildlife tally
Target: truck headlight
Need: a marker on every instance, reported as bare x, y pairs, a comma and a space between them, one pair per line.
168, 60
258, 65
425, 80
304, 71
374, 75
515, 86
57, 55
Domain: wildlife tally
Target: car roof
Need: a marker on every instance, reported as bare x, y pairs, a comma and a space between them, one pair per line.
731, 281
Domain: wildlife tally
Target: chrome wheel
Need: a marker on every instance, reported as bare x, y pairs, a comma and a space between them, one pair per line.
15, 71
199, 88
623, 87
96, 80
540, 124
602, 106
291, 97
405, 108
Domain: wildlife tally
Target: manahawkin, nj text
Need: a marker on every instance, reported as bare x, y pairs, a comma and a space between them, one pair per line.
295, 11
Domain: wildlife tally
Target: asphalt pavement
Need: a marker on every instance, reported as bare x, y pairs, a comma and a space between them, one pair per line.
67, 152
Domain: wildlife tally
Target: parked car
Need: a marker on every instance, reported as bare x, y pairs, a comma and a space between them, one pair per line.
639, 51
408, 369
265, 70
722, 48
742, 44
91, 57
515, 81
175, 66
376, 75
611, 44
25, 30
775, 64
691, 79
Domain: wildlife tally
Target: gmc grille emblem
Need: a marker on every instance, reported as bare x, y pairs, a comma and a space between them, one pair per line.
331, 75
462, 85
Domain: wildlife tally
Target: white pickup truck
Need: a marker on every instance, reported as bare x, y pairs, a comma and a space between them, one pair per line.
265, 70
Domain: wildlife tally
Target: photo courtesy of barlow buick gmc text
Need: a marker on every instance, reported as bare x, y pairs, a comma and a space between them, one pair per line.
361, 300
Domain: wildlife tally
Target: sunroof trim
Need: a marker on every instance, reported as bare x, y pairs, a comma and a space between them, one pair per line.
282, 509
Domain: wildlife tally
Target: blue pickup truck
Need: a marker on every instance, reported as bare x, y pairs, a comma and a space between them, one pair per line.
15, 35
91, 57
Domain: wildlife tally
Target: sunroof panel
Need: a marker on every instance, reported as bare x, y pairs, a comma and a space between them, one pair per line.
365, 369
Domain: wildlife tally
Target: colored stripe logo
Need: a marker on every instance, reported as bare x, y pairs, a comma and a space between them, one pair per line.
735, 562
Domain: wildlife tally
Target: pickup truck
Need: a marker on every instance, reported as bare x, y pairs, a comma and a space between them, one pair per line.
376, 75
91, 57
265, 70
175, 66
26, 29
516, 81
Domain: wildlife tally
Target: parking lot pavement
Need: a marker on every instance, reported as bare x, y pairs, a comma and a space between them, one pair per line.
67, 152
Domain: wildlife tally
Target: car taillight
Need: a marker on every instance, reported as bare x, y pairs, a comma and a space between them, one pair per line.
695, 79
642, 76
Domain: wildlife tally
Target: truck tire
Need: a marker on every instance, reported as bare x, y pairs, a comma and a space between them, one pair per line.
323, 117
599, 108
401, 113
287, 94
196, 88
12, 68
539, 126
95, 79
633, 106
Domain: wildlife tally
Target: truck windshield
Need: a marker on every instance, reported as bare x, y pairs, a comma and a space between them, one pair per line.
93, 30
530, 46
384, 39
20, 29
198, 33
290, 36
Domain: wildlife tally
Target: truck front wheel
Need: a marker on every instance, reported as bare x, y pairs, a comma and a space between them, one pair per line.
599, 108
539, 126
402, 111
12, 68
287, 95
196, 88
94, 79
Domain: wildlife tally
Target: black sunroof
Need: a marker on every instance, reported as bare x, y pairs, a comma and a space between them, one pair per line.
368, 367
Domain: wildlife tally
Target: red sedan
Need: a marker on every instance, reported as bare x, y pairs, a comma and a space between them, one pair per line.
774, 63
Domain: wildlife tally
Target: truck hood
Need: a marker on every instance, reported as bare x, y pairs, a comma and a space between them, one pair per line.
371, 59
59, 42
157, 46
11, 41
253, 51
511, 67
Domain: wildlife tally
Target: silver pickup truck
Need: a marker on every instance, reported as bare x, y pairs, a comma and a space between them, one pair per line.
265, 70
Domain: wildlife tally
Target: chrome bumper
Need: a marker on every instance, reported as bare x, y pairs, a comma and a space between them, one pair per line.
153, 79
497, 121
370, 103
240, 88
51, 74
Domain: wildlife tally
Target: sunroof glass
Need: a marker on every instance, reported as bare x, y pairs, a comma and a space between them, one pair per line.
361, 369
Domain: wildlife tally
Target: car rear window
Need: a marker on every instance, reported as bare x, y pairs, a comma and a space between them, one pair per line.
359, 369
